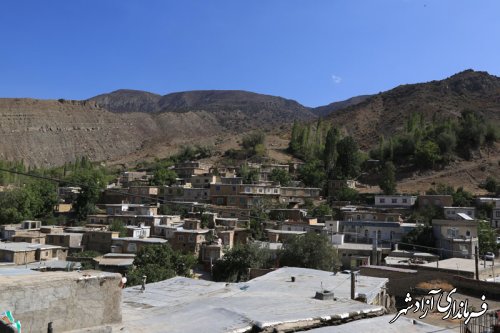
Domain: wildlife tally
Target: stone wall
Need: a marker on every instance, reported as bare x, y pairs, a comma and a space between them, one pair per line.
70, 300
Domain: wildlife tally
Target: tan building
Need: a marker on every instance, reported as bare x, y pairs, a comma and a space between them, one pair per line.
133, 245
203, 181
189, 241
188, 169
69, 240
20, 253
425, 201
35, 237
456, 238
143, 194
99, 241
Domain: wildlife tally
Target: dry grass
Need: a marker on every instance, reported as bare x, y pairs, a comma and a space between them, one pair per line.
435, 284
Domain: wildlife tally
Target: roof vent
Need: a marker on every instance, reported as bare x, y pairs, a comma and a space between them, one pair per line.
324, 295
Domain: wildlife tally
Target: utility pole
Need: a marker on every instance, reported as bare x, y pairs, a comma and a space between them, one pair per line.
476, 260
353, 286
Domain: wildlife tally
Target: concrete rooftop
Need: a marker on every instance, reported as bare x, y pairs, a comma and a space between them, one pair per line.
187, 305
381, 324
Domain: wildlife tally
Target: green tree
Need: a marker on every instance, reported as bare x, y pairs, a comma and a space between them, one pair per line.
331, 154
309, 251
321, 210
312, 174
345, 194
92, 182
462, 198
427, 154
233, 267
163, 176
159, 262
117, 225
491, 185
387, 180
349, 159
281, 176
487, 238
422, 235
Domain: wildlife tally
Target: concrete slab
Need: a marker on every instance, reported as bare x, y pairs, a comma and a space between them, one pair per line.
187, 305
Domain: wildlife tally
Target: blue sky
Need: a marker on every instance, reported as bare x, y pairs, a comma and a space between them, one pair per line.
315, 52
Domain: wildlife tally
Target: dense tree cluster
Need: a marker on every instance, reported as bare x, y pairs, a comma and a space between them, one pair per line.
309, 251
327, 153
159, 262
428, 144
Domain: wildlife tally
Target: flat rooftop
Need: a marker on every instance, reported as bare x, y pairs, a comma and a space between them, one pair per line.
381, 324
459, 264
22, 246
187, 305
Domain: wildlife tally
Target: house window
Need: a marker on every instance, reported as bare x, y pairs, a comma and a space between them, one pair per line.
497, 214
379, 234
394, 201
275, 191
405, 200
452, 233
180, 238
261, 190
467, 233
191, 238
217, 188
366, 233
382, 200
358, 217
220, 201
234, 188
247, 190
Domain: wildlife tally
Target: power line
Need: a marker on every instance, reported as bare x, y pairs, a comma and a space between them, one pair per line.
59, 181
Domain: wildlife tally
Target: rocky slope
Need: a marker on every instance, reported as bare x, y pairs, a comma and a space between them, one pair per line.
387, 112
129, 125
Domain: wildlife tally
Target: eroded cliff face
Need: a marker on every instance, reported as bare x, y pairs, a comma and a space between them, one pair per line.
44, 132
50, 133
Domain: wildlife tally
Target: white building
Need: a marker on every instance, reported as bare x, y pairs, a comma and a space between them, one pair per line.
395, 200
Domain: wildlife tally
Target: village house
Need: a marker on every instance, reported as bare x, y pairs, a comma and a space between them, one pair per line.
363, 215
21, 253
403, 201
72, 241
459, 213
68, 194
130, 209
140, 231
455, 238
279, 236
8, 231
146, 195
129, 178
189, 169
438, 200
132, 244
367, 231
203, 181
186, 193
99, 241
190, 237
35, 237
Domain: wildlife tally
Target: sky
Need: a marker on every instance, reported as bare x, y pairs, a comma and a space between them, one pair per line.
315, 52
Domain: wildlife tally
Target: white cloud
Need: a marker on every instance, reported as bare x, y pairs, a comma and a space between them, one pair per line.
336, 79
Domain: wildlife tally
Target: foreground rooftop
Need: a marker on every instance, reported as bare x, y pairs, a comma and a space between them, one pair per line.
270, 301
